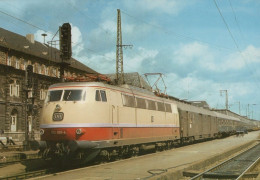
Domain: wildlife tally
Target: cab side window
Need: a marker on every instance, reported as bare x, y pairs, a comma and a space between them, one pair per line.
98, 95
101, 96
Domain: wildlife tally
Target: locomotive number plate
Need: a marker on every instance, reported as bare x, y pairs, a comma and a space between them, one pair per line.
57, 116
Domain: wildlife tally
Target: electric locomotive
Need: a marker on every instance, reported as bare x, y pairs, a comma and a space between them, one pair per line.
81, 120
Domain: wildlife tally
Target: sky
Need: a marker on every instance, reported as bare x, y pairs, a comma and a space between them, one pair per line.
200, 46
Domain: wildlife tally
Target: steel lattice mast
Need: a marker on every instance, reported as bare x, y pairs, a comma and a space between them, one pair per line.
119, 52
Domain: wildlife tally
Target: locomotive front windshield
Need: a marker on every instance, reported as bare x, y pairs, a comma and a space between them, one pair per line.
72, 95
65, 95
54, 95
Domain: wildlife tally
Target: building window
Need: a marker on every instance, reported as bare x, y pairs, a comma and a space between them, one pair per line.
43, 93
30, 123
34, 69
30, 94
46, 70
17, 64
14, 89
24, 65
39, 69
54, 72
13, 122
9, 61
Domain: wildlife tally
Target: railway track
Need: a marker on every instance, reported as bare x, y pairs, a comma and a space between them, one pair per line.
234, 168
26, 175
18, 158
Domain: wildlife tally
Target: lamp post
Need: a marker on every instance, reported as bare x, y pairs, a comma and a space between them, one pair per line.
248, 112
226, 92
239, 109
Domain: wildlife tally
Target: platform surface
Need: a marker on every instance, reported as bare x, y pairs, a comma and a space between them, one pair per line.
139, 167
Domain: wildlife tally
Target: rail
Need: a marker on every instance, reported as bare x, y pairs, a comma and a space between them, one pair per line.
26, 175
233, 168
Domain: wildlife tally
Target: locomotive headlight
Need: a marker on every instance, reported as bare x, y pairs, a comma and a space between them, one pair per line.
41, 132
80, 131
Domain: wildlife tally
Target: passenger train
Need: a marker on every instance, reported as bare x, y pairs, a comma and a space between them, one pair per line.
83, 120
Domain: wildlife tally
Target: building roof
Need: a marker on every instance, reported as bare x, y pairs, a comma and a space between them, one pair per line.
20, 43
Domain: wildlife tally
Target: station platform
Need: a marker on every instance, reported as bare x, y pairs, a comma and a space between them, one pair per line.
163, 165
9, 156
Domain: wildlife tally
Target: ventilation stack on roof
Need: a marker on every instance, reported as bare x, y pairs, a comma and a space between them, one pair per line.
30, 38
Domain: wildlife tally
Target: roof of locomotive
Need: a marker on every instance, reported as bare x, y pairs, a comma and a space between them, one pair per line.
76, 84
140, 91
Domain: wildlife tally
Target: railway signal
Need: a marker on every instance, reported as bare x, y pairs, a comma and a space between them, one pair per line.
65, 42
65, 48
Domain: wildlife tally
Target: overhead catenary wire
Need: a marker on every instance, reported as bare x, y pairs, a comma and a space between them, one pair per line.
235, 17
182, 36
21, 20
235, 42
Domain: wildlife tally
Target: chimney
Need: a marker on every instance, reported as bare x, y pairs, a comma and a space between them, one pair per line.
30, 38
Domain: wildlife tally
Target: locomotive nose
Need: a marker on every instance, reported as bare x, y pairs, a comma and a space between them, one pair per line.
58, 107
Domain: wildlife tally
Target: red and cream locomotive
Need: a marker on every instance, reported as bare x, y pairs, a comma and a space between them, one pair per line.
84, 119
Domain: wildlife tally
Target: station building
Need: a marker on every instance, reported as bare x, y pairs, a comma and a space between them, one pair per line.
16, 53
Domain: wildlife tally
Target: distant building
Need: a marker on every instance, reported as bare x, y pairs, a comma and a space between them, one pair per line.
16, 53
230, 113
202, 104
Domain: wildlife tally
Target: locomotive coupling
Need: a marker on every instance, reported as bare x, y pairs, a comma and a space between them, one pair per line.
74, 145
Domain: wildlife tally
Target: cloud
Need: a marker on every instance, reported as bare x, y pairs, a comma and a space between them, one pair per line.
193, 88
162, 6
189, 53
76, 39
134, 60
204, 58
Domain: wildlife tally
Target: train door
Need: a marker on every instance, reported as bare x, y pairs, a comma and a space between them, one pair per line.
184, 123
210, 124
114, 115
200, 129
